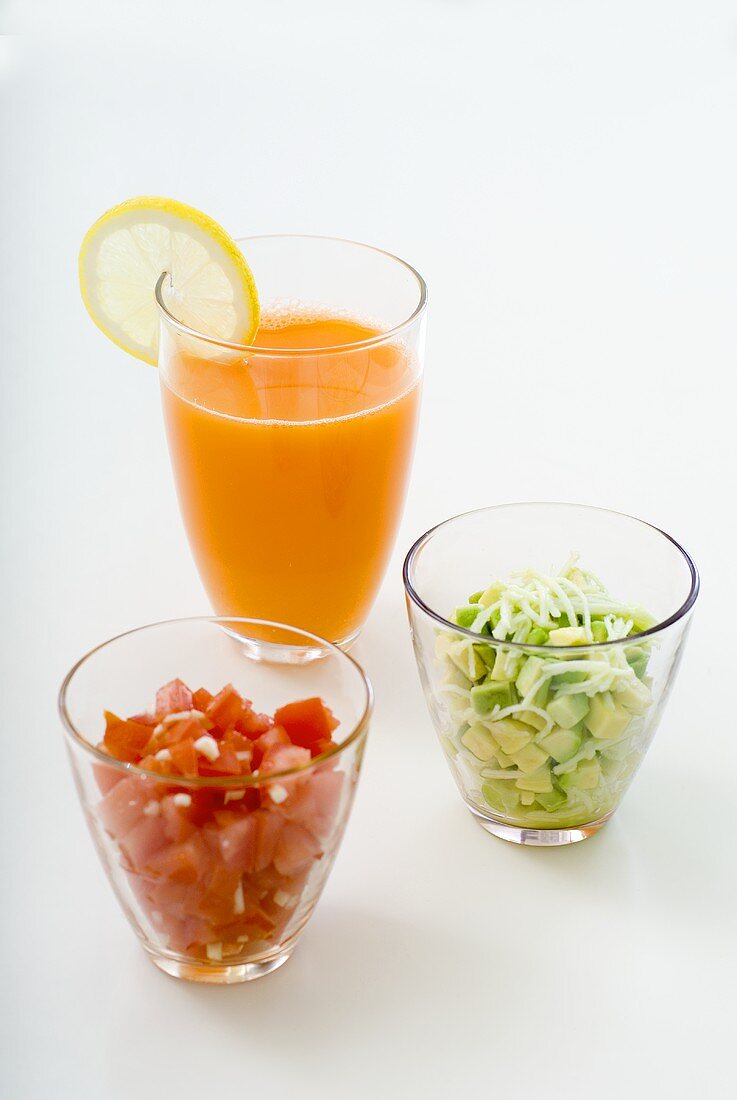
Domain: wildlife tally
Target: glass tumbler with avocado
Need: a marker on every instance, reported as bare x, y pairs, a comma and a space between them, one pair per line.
546, 685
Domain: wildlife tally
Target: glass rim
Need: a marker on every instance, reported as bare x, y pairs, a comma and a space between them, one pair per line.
356, 734
412, 593
252, 349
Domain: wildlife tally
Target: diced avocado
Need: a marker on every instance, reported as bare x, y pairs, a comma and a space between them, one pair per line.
639, 667
526, 798
617, 750
505, 665
511, 735
529, 674
568, 678
635, 696
476, 596
552, 800
586, 776
561, 744
568, 635
586, 752
456, 704
537, 636
487, 654
465, 657
443, 642
611, 769
642, 620
504, 760
637, 658
486, 696
540, 781
478, 740
529, 758
454, 675
605, 719
599, 631
501, 795
450, 746
491, 594
465, 616
542, 696
568, 710
532, 718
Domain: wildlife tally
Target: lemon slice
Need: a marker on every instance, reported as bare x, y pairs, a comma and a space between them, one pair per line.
122, 256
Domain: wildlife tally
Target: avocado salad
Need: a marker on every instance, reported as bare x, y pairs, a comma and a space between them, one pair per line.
546, 739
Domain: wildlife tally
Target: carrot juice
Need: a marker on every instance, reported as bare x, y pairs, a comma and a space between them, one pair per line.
291, 465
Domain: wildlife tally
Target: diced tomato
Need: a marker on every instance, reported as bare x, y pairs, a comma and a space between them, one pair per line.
140, 887
237, 842
275, 736
225, 708
143, 841
280, 758
238, 742
242, 756
181, 730
251, 799
268, 830
154, 764
306, 721
123, 739
203, 802
217, 900
107, 776
252, 724
186, 935
186, 863
317, 748
176, 819
218, 864
224, 817
122, 807
144, 719
170, 896
254, 922
227, 763
201, 699
315, 804
296, 849
184, 757
173, 697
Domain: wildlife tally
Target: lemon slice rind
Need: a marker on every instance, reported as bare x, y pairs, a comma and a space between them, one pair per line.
211, 290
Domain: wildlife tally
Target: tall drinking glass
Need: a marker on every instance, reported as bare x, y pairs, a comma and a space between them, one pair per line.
292, 456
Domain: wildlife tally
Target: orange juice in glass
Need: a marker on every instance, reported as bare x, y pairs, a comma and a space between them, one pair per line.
292, 456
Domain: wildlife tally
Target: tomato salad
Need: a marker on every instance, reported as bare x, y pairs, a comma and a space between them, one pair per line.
220, 871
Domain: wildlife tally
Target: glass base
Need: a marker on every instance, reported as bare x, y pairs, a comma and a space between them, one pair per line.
540, 838
280, 653
218, 973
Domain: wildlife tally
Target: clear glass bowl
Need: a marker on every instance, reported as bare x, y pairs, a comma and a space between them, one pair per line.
217, 877
639, 564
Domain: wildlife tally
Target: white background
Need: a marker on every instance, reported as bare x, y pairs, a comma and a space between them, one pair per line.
564, 175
